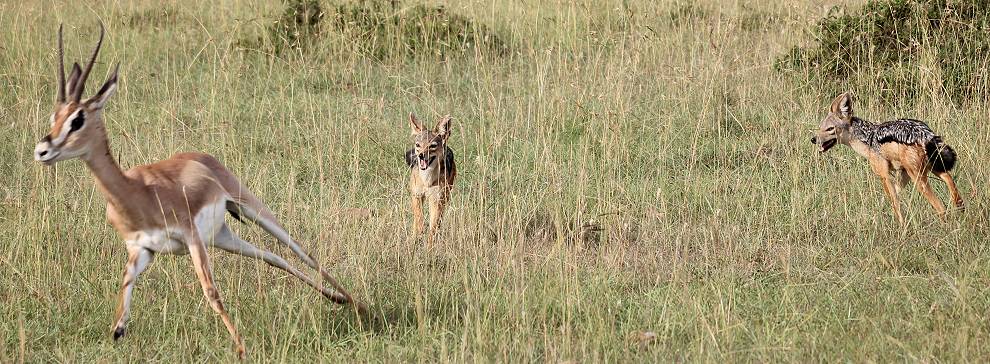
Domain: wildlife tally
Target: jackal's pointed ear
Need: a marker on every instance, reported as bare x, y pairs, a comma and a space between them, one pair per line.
416, 126
842, 106
443, 127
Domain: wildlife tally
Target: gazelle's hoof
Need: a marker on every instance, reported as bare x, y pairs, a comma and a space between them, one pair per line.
118, 333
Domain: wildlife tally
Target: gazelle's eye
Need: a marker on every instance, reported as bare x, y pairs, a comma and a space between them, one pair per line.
77, 122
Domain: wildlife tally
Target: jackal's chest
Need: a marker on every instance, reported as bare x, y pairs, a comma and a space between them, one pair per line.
428, 177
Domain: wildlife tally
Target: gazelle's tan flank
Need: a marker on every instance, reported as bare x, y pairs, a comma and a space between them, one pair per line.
174, 206
432, 172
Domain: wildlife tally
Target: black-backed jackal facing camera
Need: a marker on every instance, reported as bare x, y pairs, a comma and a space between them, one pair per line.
431, 172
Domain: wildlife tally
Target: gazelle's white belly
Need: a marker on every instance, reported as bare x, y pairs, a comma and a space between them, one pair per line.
208, 222
158, 241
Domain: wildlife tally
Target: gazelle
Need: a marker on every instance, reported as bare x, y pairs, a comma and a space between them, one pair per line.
174, 206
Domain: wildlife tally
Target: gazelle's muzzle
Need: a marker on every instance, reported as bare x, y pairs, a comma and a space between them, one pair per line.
45, 152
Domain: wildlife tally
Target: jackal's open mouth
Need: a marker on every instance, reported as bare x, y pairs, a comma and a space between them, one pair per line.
424, 163
828, 144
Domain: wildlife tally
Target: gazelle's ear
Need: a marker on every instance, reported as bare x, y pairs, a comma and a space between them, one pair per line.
109, 87
842, 106
73, 77
443, 127
415, 125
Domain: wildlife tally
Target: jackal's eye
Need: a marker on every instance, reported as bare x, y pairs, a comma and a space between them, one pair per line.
433, 145
417, 145
831, 128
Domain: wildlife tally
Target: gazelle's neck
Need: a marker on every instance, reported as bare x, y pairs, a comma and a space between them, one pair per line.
116, 188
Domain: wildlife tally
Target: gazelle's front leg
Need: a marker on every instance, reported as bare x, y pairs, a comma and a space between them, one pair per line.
201, 263
138, 260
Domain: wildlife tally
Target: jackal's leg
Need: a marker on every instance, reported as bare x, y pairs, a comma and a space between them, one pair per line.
227, 241
201, 263
882, 168
920, 179
953, 191
901, 179
437, 206
417, 209
138, 260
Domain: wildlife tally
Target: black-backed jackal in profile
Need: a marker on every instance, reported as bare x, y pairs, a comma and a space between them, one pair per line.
898, 151
431, 173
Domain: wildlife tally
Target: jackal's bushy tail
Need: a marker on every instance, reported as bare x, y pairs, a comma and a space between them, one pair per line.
940, 155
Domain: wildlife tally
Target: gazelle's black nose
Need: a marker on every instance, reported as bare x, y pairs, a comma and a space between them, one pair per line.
42, 153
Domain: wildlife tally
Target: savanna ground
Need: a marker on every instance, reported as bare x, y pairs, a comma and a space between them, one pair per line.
625, 168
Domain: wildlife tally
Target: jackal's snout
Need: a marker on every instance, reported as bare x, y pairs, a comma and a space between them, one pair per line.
425, 160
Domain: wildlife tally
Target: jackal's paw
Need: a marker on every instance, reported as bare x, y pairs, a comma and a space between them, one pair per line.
118, 333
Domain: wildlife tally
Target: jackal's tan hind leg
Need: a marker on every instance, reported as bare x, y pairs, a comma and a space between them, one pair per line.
229, 242
920, 179
882, 168
138, 260
437, 207
953, 191
201, 263
901, 179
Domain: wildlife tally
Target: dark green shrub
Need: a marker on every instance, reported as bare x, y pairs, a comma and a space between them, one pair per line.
386, 30
297, 27
882, 44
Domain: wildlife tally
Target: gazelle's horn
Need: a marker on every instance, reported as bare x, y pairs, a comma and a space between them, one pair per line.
61, 67
81, 84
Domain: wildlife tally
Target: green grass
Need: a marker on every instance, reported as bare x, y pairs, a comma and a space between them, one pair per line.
722, 230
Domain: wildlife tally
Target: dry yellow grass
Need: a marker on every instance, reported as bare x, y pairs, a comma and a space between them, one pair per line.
624, 171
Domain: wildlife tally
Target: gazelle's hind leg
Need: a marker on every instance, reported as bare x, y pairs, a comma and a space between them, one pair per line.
201, 263
953, 191
138, 260
260, 215
226, 240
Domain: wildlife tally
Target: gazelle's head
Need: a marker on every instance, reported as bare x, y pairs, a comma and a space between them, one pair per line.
76, 124
834, 128
430, 144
